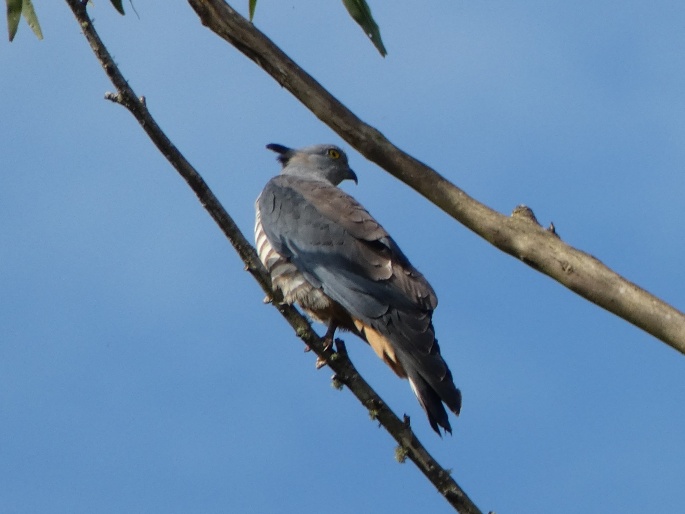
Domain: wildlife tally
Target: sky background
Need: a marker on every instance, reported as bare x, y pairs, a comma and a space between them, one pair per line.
140, 371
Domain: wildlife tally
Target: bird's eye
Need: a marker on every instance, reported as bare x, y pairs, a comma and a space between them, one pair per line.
333, 153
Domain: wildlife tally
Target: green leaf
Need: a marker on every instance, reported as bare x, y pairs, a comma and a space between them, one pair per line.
29, 14
13, 16
118, 6
253, 4
361, 13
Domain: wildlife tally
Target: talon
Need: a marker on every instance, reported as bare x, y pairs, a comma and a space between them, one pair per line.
330, 333
340, 347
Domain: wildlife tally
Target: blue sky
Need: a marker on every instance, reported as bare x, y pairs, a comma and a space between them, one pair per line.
139, 370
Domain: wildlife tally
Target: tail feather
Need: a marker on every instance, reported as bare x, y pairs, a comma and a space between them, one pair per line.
445, 386
431, 403
415, 354
431, 381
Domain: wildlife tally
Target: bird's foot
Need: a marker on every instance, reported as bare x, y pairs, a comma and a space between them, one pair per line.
340, 347
328, 345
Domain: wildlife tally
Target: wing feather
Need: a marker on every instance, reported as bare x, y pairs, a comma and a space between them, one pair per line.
328, 233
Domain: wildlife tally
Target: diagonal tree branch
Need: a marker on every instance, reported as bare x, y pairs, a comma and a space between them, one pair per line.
518, 235
345, 372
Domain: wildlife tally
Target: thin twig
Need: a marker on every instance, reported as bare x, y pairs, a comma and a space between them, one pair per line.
345, 372
518, 236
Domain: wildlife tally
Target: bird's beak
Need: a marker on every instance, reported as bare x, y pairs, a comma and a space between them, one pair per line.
351, 175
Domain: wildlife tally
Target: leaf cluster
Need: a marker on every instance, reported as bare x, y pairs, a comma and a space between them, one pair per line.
15, 10
358, 9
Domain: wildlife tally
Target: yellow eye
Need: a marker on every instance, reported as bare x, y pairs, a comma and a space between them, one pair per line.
333, 153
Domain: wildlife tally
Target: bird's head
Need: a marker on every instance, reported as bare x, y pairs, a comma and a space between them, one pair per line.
318, 162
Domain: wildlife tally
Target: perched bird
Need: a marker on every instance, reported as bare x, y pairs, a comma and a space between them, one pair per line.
325, 252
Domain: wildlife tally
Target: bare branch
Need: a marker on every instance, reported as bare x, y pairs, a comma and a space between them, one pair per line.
519, 236
345, 372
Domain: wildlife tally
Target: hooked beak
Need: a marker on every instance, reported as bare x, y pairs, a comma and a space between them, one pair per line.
352, 176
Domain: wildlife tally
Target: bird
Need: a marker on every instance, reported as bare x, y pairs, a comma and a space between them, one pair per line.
326, 253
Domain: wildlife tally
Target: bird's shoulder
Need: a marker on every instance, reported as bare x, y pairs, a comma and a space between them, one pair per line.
320, 198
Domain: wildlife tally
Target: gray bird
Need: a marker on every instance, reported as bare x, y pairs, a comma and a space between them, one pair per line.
325, 252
